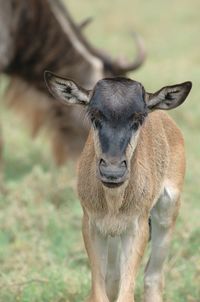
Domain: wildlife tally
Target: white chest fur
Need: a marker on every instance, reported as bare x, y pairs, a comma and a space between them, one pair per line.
113, 222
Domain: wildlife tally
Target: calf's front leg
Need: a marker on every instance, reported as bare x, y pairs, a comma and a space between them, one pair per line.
97, 249
133, 245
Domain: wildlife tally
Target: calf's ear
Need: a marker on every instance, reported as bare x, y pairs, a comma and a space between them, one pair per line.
168, 97
66, 90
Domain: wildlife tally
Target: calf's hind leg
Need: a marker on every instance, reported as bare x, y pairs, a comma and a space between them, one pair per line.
163, 217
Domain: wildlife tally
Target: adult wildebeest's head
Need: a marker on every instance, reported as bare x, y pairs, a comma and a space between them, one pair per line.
38, 35
26, 25
117, 108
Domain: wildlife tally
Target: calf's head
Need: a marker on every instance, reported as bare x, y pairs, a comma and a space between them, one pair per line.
117, 108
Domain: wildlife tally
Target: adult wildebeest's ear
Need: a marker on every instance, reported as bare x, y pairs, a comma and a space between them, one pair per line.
168, 97
66, 90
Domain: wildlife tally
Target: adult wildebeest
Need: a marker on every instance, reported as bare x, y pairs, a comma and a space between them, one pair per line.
40, 34
133, 164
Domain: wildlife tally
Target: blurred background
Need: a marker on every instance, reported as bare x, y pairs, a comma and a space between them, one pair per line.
41, 249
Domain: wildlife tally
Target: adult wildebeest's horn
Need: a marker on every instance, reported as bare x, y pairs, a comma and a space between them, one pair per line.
120, 65
114, 66
85, 23
125, 66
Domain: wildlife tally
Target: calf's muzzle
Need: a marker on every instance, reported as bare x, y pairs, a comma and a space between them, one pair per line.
113, 172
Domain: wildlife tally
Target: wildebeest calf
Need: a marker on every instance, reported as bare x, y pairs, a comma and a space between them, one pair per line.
132, 166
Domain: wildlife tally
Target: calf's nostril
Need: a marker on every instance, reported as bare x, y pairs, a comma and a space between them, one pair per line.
123, 164
103, 163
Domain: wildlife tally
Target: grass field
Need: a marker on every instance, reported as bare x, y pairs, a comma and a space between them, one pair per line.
42, 258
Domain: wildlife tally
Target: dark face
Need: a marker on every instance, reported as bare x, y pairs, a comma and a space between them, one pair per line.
117, 109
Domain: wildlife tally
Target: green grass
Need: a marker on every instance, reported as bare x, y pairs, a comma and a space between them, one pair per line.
42, 257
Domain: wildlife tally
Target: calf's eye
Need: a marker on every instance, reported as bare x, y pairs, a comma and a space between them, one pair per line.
96, 123
134, 126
